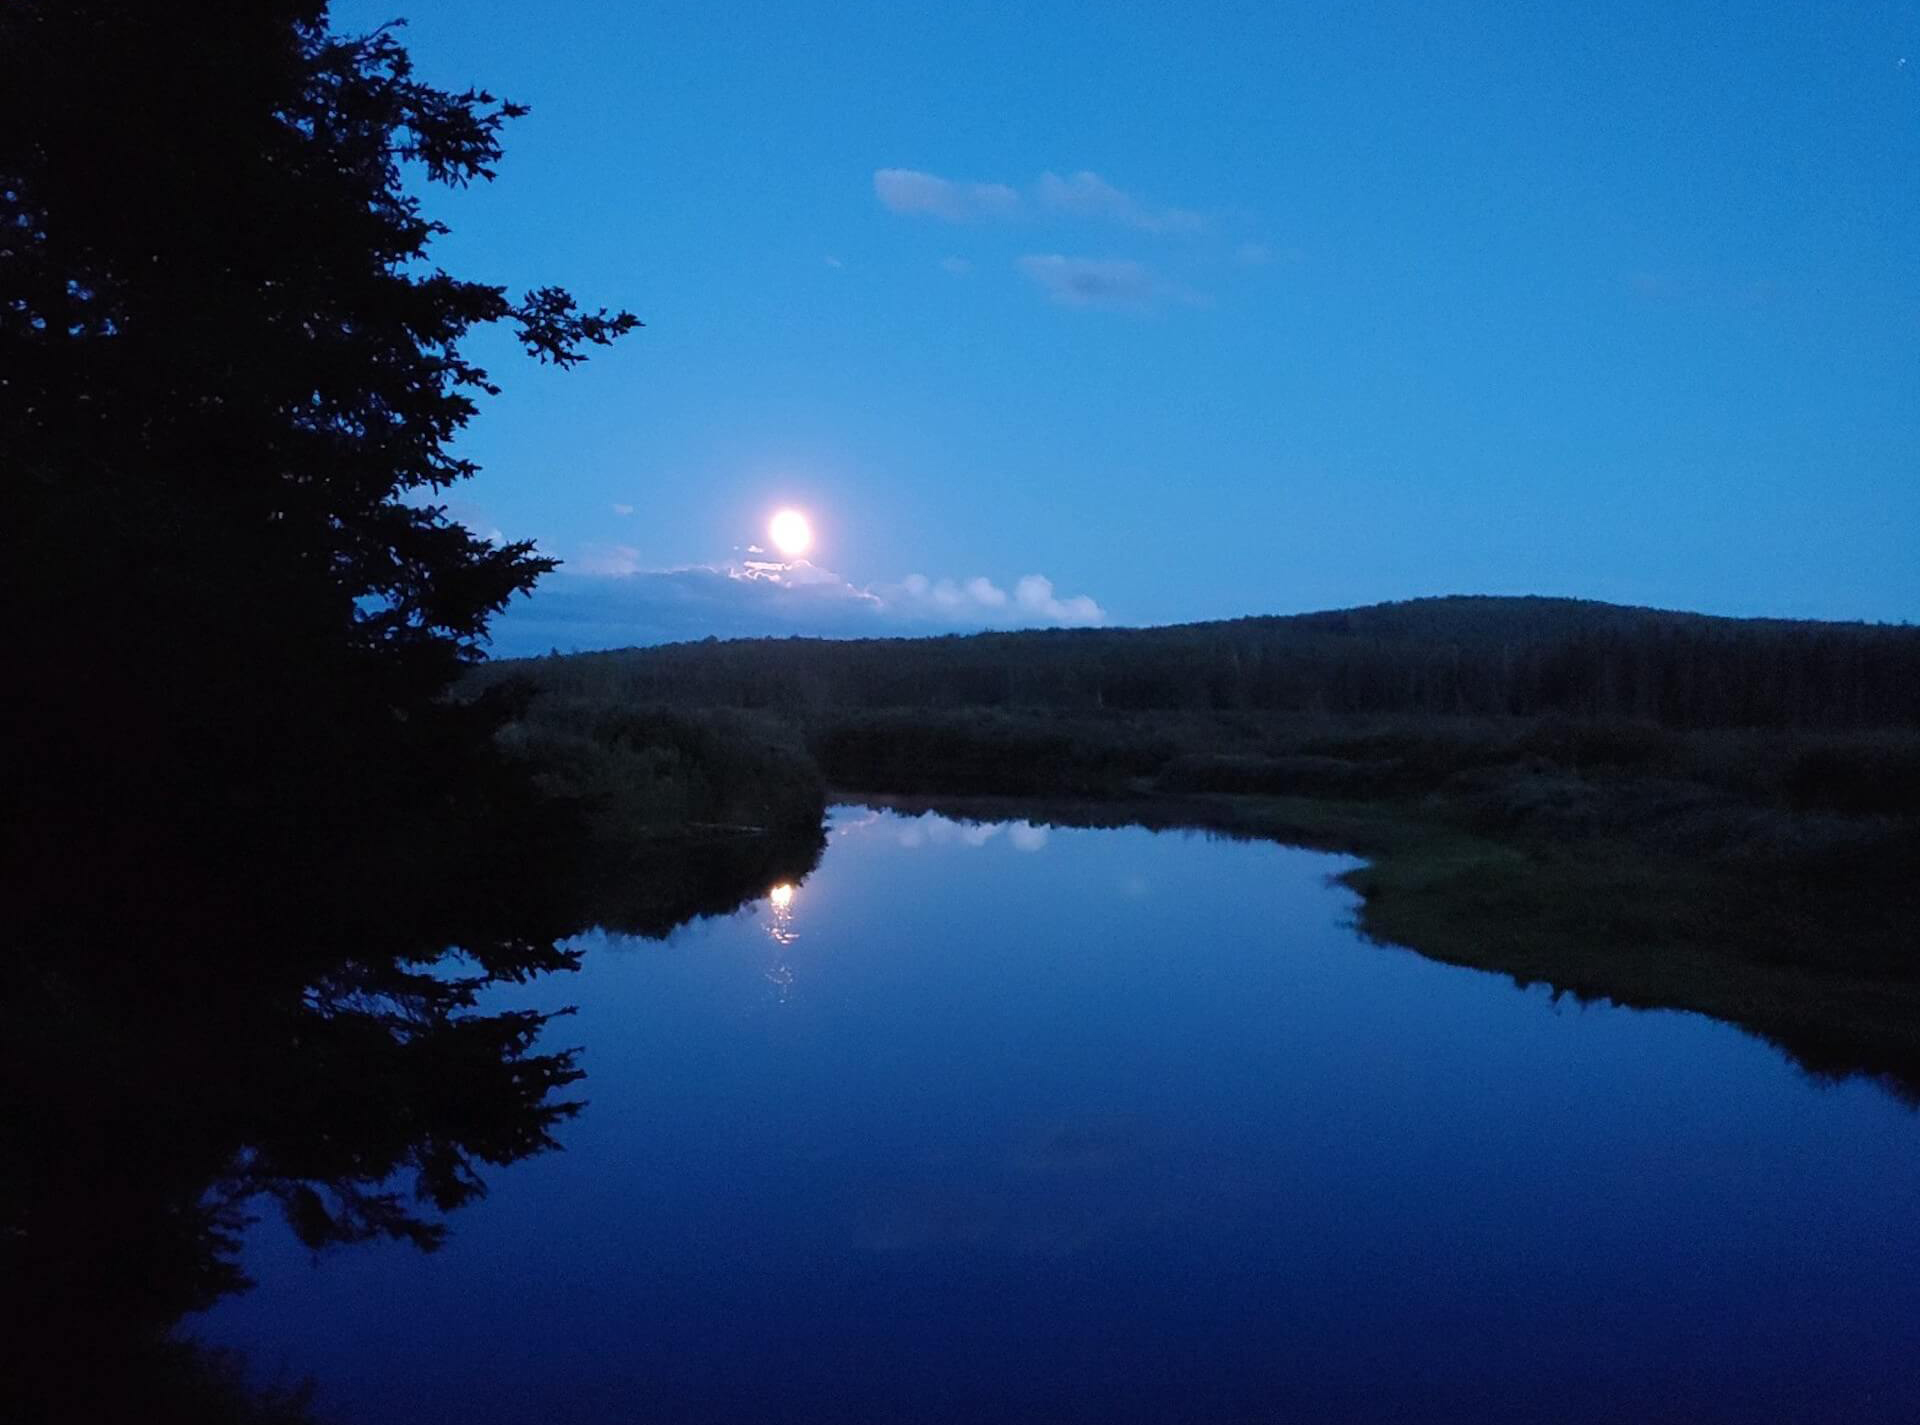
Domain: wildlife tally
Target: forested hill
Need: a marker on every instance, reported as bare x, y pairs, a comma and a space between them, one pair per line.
1441, 656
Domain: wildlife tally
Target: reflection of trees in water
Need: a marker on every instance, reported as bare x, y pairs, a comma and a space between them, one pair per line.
168, 1076
154, 1107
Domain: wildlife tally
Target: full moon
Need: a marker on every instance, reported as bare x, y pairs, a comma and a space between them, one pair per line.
790, 533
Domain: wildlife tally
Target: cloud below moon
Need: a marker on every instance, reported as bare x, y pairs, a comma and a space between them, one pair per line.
607, 600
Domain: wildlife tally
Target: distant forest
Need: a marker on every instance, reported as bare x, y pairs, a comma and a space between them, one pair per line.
1460, 656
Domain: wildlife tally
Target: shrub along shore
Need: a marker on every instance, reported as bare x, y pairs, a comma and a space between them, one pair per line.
1768, 874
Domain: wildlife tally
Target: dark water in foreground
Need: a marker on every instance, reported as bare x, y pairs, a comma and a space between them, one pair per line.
991, 1122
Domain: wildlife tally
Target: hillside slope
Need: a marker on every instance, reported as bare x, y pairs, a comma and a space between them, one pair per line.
1481, 656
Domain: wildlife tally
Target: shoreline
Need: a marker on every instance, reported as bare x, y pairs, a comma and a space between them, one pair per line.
1601, 919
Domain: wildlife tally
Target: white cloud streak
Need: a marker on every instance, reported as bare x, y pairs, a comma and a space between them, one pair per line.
983, 603
910, 192
1084, 196
604, 599
1087, 195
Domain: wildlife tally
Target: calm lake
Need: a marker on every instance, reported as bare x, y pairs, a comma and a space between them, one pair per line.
997, 1121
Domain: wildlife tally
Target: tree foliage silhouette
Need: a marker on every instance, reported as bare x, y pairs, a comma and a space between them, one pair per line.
243, 813
231, 377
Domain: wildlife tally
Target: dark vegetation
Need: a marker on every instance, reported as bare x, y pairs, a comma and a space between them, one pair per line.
1661, 808
683, 816
1458, 657
244, 821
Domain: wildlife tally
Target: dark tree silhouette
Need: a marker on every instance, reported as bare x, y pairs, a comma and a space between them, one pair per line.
243, 818
230, 379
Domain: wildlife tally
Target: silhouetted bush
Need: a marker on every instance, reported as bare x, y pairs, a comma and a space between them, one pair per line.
1877, 775
644, 772
1291, 776
985, 752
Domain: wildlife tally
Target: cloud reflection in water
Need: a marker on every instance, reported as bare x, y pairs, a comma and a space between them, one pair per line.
933, 829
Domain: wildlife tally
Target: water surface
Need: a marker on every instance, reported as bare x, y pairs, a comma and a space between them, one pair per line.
1003, 1121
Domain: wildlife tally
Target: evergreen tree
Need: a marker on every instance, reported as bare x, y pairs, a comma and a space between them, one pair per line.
241, 809
231, 377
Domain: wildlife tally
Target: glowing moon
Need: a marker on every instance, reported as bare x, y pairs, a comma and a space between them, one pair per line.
790, 533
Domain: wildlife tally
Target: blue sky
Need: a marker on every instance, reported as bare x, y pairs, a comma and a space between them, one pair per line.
1199, 310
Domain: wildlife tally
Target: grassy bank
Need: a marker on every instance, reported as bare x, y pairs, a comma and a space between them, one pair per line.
1822, 973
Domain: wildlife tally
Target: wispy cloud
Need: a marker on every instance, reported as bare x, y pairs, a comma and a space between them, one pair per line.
1088, 195
604, 599
1093, 281
1084, 196
908, 191
955, 266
